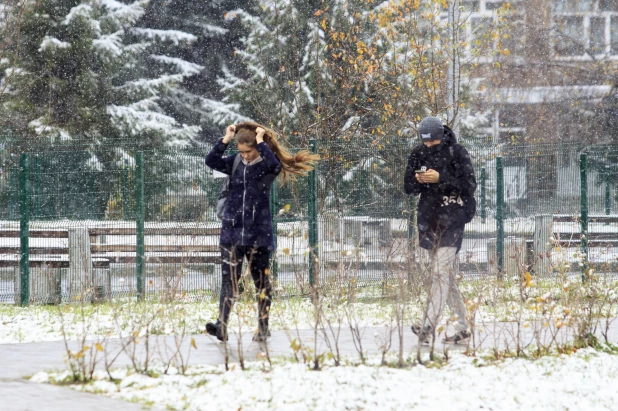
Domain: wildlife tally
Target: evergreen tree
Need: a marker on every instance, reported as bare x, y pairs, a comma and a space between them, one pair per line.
273, 80
198, 99
85, 72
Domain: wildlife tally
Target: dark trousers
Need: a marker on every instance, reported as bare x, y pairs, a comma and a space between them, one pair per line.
232, 262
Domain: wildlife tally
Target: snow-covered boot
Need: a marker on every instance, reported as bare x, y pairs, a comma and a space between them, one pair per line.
217, 329
457, 338
423, 333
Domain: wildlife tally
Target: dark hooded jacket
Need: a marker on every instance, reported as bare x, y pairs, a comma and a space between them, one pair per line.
247, 220
444, 207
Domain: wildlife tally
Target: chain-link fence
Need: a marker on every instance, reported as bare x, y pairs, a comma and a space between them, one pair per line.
106, 223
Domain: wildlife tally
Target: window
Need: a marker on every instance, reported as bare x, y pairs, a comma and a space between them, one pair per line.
597, 35
570, 6
569, 35
585, 28
608, 5
614, 34
493, 4
483, 18
513, 116
470, 6
507, 124
514, 41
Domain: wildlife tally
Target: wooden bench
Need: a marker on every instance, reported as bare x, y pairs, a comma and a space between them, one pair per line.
89, 253
122, 253
606, 219
534, 253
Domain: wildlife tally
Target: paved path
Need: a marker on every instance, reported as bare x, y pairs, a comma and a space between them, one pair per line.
20, 360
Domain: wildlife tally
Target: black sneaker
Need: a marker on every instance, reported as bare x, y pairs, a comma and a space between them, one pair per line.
261, 336
457, 338
217, 330
424, 334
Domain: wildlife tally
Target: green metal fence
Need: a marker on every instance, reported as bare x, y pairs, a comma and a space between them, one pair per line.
77, 223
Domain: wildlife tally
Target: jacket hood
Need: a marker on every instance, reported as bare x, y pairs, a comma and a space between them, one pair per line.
449, 136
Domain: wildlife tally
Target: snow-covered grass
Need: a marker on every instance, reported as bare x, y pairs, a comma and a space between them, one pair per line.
564, 300
582, 379
44, 323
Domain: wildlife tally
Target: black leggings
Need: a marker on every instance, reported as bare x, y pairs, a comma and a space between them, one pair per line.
232, 262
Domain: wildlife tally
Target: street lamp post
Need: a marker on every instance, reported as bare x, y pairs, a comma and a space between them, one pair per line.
453, 66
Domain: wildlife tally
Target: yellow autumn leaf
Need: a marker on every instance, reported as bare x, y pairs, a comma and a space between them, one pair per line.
528, 280
286, 251
98, 347
323, 24
193, 344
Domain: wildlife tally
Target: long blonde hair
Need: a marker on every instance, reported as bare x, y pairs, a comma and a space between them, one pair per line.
292, 165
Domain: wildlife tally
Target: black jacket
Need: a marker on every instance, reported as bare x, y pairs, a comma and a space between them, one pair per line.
444, 207
247, 220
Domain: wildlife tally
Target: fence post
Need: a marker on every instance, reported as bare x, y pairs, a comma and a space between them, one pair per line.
13, 192
543, 229
24, 222
139, 224
36, 187
412, 219
312, 213
500, 214
80, 264
91, 200
412, 240
483, 199
583, 170
607, 192
125, 190
274, 206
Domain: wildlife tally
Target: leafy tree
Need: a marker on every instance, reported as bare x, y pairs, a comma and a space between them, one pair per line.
361, 73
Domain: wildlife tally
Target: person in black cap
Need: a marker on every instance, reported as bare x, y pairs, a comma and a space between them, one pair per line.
440, 170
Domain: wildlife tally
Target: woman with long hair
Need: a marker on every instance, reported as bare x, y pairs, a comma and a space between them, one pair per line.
247, 229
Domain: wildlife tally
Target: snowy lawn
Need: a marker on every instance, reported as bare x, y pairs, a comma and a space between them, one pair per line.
585, 379
45, 323
546, 301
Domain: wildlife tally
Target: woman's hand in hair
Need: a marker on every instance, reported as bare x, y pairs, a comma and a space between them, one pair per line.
229, 134
259, 135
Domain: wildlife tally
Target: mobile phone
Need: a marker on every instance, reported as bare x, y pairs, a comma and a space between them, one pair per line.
420, 171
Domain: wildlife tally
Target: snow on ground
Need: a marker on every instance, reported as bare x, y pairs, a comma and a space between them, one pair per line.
583, 380
44, 323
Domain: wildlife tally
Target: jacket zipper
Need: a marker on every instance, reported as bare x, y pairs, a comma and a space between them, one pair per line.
254, 213
244, 194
